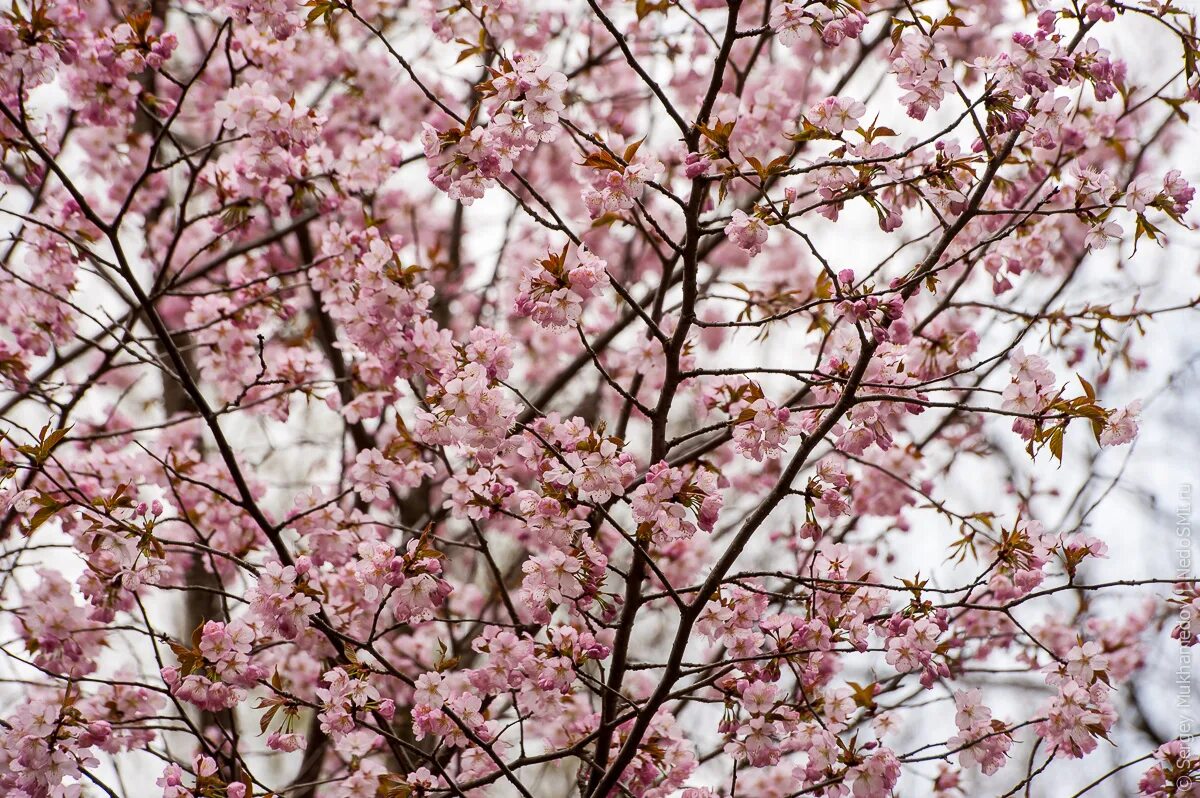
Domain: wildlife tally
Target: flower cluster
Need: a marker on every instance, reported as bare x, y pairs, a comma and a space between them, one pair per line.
572, 577
412, 399
617, 186
280, 130
664, 502
762, 428
748, 232
1173, 773
1081, 712
470, 407
57, 631
375, 475
833, 20
343, 695
919, 64
913, 645
982, 741
45, 749
836, 114
440, 710
282, 600
594, 470
103, 78
525, 98
1031, 390
215, 673
552, 292
412, 581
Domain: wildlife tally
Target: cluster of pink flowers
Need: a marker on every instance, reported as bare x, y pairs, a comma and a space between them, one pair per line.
763, 428
103, 78
632, 471
519, 663
733, 620
748, 233
834, 181
39, 322
1174, 773
552, 292
833, 20
1081, 712
1172, 194
1121, 426
572, 577
667, 751
471, 408
205, 776
216, 674
828, 492
281, 601
439, 709
1031, 390
913, 645
619, 187
57, 631
595, 470
412, 582
868, 424
281, 132
381, 308
836, 114
343, 695
478, 492
757, 739
525, 98
877, 775
884, 318
32, 53
919, 64
43, 752
374, 475
982, 741
669, 497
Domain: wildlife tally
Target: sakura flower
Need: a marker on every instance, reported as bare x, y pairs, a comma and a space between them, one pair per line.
749, 233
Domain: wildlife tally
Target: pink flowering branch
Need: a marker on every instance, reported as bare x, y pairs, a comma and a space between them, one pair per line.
484, 399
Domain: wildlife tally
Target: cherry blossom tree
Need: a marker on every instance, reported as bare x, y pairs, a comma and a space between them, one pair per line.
695, 398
